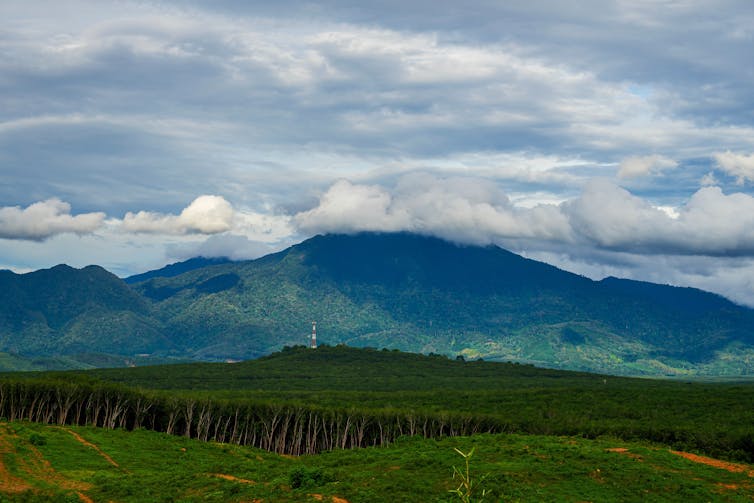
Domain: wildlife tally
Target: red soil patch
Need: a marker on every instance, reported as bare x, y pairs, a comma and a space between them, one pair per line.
40, 469
83, 497
37, 468
232, 478
731, 487
335, 499
723, 465
625, 452
9, 483
93, 446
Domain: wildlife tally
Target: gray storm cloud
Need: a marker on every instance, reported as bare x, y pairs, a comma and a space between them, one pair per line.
44, 219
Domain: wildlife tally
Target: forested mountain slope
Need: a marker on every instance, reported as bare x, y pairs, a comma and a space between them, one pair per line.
400, 290
424, 294
63, 310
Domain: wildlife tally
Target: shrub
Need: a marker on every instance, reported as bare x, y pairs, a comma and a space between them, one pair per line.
302, 476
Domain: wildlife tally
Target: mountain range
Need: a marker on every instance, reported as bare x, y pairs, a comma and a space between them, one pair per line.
402, 291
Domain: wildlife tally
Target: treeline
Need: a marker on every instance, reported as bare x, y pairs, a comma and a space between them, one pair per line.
296, 427
293, 429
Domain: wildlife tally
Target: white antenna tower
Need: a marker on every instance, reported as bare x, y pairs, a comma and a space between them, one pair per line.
314, 335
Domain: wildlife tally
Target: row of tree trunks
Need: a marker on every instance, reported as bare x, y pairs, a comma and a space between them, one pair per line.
281, 428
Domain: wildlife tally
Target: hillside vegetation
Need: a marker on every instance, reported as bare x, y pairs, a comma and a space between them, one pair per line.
348, 424
62, 311
71, 464
398, 291
306, 401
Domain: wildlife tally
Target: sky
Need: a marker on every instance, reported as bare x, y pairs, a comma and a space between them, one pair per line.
606, 137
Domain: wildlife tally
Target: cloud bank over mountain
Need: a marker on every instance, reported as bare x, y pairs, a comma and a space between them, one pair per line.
608, 137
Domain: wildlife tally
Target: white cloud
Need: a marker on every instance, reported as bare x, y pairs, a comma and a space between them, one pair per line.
604, 216
347, 207
740, 166
205, 215
632, 167
611, 217
457, 208
261, 227
210, 215
45, 219
709, 179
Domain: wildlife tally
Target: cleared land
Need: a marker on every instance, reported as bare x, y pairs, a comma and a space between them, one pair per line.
47, 463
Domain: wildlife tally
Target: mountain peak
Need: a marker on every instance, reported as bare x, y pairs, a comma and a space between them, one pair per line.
401, 258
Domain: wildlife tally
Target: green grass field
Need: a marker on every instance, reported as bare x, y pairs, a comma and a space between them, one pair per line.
565, 436
522, 398
50, 463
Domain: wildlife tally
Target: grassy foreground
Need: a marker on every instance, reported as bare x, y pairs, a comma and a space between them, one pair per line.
72, 464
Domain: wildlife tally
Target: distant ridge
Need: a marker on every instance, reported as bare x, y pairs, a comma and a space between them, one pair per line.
177, 268
383, 290
63, 310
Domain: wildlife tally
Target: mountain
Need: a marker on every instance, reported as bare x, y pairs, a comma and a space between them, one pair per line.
177, 268
400, 291
63, 310
424, 294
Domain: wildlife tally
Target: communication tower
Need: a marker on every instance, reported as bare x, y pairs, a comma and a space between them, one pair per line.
314, 335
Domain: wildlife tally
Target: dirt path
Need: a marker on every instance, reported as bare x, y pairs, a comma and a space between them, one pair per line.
9, 483
93, 446
232, 478
36, 467
723, 465
626, 452
335, 499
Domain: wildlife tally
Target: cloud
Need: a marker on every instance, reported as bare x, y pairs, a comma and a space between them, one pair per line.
232, 246
632, 167
457, 208
604, 216
741, 166
611, 217
210, 215
121, 106
346, 207
44, 219
709, 179
205, 215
